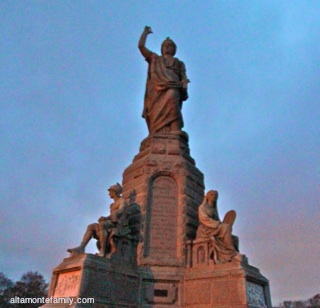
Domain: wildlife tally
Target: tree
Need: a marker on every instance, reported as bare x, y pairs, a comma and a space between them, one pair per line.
5, 285
31, 285
314, 302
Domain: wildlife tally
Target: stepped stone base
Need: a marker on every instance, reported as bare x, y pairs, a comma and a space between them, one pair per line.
161, 265
233, 284
89, 276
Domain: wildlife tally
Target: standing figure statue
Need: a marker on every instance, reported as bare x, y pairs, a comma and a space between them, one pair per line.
114, 224
223, 248
166, 87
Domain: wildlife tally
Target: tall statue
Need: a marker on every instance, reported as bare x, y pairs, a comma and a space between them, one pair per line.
114, 224
223, 248
166, 87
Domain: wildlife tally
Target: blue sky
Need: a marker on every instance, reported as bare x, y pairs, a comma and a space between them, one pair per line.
71, 87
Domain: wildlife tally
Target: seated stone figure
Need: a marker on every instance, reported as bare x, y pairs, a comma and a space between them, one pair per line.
211, 227
114, 224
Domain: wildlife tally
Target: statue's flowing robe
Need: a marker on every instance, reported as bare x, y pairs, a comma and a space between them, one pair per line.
164, 92
220, 233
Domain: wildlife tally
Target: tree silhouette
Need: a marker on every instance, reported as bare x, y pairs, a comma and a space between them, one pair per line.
5, 285
31, 285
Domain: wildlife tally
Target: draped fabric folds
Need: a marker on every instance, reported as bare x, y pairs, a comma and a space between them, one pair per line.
211, 227
164, 93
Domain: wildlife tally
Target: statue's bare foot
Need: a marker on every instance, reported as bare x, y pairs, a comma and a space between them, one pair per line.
76, 251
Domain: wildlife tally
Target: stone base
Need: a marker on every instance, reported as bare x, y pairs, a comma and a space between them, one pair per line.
234, 284
89, 276
161, 287
161, 265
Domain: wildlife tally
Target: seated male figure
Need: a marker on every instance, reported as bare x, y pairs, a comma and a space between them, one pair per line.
115, 223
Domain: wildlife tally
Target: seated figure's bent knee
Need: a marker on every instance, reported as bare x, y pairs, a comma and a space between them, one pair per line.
226, 226
106, 224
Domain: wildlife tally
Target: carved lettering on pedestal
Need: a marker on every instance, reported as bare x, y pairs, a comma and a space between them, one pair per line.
162, 218
67, 284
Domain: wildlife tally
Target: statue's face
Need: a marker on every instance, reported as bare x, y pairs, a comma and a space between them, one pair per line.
168, 49
212, 196
112, 193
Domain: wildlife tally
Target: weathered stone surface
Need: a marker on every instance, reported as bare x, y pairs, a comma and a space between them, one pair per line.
168, 188
89, 276
232, 284
162, 214
68, 284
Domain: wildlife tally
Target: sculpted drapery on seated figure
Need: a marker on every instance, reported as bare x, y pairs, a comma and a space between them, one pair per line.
166, 87
114, 224
220, 233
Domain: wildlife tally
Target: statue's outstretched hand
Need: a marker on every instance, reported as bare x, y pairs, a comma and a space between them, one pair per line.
147, 30
142, 42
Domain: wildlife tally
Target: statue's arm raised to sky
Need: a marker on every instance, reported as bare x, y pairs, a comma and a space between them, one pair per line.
166, 87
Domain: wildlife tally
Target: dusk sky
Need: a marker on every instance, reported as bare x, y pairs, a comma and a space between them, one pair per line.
71, 92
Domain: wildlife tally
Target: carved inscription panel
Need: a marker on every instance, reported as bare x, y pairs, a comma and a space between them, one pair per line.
255, 294
162, 218
68, 284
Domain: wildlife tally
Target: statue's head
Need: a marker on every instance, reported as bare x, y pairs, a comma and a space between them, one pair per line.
212, 196
117, 188
168, 47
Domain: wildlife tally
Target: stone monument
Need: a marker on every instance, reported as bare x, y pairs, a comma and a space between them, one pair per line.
164, 244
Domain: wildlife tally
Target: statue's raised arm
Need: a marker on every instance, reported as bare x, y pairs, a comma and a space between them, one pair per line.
166, 87
142, 42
